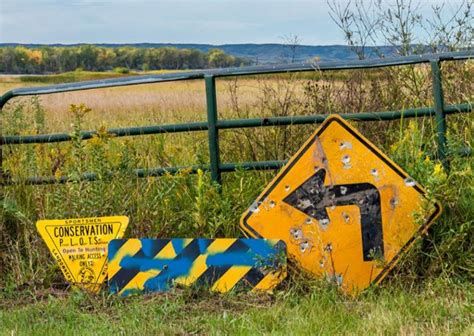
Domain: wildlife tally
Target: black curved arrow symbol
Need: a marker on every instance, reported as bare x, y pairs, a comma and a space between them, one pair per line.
313, 197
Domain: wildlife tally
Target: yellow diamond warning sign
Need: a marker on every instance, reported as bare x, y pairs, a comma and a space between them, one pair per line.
80, 246
345, 210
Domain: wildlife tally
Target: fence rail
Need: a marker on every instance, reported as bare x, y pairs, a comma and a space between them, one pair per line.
213, 124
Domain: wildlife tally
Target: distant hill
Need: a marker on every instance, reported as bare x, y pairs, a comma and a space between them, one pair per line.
256, 53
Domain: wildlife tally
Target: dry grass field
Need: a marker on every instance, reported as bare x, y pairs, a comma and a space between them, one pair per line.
169, 102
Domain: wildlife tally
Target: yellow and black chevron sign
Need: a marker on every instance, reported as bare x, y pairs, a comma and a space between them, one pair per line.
150, 265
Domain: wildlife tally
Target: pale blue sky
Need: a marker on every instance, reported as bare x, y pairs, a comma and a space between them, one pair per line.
191, 21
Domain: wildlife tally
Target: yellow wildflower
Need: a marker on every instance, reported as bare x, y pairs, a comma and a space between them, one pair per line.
394, 147
95, 141
57, 174
438, 169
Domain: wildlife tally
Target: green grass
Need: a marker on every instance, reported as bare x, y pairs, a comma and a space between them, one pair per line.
72, 76
436, 308
81, 75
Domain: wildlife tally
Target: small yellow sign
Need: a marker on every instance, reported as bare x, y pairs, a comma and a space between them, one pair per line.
80, 246
345, 210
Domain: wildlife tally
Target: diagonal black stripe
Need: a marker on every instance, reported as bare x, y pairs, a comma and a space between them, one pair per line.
191, 252
125, 275
251, 279
151, 247
114, 246
238, 246
211, 275
214, 273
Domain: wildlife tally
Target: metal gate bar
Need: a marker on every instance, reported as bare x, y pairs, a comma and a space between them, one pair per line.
213, 124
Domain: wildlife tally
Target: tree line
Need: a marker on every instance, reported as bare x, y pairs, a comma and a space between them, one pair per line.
23, 60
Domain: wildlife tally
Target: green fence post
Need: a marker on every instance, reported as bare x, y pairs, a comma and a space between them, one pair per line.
3, 101
439, 113
212, 132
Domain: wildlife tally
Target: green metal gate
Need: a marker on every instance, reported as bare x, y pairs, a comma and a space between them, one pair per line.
214, 124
